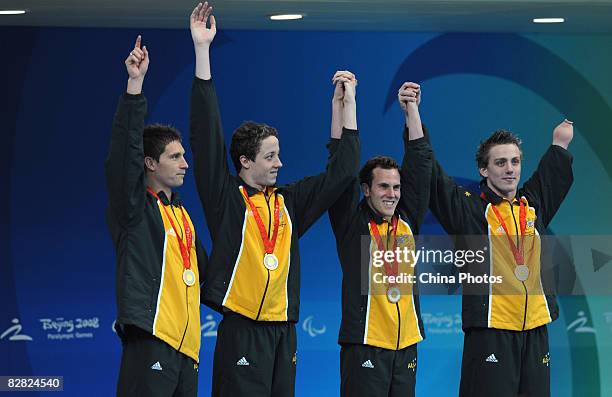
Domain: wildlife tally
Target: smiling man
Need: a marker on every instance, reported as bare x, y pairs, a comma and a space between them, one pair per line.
159, 257
381, 322
505, 351
254, 274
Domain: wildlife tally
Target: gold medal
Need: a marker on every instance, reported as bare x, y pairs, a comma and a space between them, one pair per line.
521, 272
270, 261
394, 294
189, 277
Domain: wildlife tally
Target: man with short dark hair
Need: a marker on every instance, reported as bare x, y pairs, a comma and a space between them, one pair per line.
506, 349
159, 258
254, 274
381, 322
499, 137
247, 139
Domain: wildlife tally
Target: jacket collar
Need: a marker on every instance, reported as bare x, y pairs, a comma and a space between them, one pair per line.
372, 214
175, 200
488, 195
251, 191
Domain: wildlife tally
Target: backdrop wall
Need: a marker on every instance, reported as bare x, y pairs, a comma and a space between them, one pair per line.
59, 95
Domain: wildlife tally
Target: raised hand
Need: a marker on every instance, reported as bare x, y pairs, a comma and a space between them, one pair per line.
338, 91
409, 98
409, 95
563, 134
201, 35
137, 63
344, 109
340, 78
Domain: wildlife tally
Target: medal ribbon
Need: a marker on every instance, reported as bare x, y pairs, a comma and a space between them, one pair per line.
390, 269
185, 250
268, 244
516, 251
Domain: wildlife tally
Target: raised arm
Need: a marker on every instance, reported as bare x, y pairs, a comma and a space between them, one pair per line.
314, 195
349, 103
551, 181
337, 108
211, 171
202, 38
343, 210
417, 162
447, 200
409, 98
137, 65
124, 165
563, 134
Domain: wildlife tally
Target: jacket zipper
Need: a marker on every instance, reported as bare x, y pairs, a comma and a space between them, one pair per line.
399, 325
186, 287
268, 280
522, 282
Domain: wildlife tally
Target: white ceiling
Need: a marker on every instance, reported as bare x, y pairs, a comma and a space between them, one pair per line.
390, 15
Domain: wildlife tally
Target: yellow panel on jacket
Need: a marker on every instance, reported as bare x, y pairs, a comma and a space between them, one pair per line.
391, 325
254, 291
515, 305
177, 318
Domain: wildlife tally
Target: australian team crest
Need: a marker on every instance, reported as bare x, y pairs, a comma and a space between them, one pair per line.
402, 239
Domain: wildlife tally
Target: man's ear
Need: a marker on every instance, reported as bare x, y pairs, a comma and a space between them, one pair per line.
150, 163
365, 189
484, 172
245, 162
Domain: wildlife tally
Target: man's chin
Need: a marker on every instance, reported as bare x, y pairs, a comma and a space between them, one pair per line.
387, 213
511, 187
507, 192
